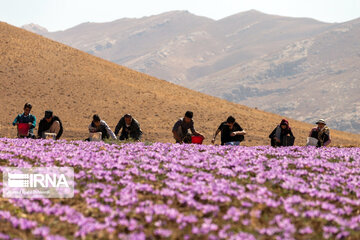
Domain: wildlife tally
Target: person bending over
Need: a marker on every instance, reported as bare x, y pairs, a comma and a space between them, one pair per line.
181, 127
130, 128
231, 132
98, 125
50, 124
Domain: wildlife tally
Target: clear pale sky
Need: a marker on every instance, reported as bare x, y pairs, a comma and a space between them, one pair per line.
62, 14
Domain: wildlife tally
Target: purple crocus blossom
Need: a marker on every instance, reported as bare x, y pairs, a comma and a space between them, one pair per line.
200, 191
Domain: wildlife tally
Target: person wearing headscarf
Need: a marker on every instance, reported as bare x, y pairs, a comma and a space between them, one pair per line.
279, 136
321, 133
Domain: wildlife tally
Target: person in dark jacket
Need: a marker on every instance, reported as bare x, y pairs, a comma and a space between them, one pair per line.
28, 118
98, 125
231, 132
130, 128
322, 133
282, 135
181, 127
50, 124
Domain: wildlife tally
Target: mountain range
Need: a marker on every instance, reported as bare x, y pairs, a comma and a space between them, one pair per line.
297, 67
76, 85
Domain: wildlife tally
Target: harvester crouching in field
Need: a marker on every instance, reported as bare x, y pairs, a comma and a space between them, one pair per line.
130, 128
25, 123
320, 135
181, 127
231, 132
99, 130
282, 135
50, 126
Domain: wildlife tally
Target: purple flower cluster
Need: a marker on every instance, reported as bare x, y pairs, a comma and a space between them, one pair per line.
136, 191
21, 223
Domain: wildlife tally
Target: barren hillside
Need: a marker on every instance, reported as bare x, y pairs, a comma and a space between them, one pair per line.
271, 62
75, 85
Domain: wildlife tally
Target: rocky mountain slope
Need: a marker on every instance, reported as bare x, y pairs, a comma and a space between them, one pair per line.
292, 66
76, 85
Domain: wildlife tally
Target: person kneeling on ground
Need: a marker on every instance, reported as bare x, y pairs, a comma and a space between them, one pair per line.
130, 128
322, 133
50, 124
98, 125
27, 118
282, 135
180, 129
231, 132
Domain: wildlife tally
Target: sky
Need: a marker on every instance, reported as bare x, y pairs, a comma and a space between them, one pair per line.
58, 15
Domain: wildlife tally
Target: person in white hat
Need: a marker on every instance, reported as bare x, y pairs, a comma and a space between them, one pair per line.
322, 133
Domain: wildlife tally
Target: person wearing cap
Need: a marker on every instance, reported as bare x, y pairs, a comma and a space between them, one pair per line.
322, 133
231, 132
99, 125
27, 118
181, 127
282, 135
50, 124
130, 128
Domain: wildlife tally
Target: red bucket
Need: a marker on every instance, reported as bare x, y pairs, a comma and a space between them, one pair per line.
23, 129
197, 139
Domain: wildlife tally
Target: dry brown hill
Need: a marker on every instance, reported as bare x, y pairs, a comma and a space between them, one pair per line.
278, 64
76, 85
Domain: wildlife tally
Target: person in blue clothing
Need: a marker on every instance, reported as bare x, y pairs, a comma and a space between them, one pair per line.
28, 118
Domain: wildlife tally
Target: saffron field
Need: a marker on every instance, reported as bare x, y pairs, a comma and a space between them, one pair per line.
172, 191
